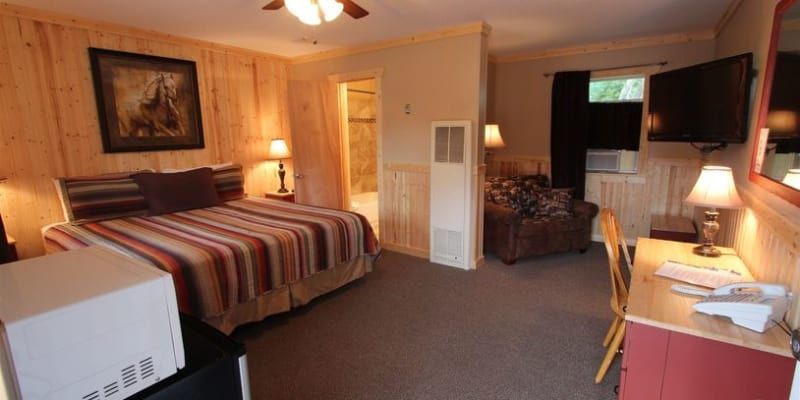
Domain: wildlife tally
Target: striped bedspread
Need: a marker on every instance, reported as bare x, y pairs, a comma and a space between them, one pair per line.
227, 255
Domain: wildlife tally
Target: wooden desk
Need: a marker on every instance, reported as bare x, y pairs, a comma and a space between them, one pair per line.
672, 352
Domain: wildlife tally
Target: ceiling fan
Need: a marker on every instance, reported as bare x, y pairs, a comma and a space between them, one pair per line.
312, 12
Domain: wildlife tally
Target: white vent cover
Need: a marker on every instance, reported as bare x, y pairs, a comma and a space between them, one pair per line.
450, 191
448, 245
449, 145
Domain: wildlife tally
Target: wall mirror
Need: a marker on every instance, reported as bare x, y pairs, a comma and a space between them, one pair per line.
776, 154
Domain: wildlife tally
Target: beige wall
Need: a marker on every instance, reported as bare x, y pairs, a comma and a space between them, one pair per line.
521, 95
765, 233
49, 125
444, 79
749, 31
439, 79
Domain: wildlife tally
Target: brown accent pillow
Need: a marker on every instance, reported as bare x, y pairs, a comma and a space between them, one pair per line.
179, 191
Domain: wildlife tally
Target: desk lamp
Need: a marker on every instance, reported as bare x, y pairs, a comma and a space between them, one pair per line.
714, 189
278, 150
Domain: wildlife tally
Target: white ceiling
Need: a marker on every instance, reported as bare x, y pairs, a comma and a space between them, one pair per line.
517, 25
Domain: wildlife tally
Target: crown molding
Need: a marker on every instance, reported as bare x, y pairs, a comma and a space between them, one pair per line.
460, 30
599, 47
35, 14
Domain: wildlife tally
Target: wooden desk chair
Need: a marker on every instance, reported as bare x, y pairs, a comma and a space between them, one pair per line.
622, 242
619, 291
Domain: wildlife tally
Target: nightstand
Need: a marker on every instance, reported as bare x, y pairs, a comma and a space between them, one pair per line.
280, 196
12, 248
673, 227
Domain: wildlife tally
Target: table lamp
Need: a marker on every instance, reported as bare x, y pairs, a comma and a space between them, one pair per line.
714, 189
278, 150
792, 178
492, 138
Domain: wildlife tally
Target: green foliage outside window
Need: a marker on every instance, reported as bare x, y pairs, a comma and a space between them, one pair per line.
616, 90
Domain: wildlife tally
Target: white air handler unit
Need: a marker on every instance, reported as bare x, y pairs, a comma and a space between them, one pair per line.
87, 324
450, 192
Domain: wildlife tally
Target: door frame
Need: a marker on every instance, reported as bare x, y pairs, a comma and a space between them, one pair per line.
344, 132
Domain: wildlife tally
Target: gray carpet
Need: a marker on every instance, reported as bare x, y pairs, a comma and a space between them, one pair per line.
415, 330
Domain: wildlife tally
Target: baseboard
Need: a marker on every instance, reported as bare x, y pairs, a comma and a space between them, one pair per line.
411, 251
599, 238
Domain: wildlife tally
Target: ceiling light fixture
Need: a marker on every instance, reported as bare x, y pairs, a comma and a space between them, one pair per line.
312, 12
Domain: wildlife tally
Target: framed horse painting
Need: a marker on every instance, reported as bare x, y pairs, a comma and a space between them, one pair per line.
146, 103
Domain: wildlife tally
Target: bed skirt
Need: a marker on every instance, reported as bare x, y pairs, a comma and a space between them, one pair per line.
296, 294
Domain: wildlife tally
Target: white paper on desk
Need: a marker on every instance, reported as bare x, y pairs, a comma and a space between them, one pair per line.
699, 276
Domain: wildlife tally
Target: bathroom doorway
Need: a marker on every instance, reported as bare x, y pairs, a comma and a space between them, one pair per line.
359, 106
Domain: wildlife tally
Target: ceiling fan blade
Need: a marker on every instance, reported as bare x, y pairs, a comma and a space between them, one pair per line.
274, 5
353, 9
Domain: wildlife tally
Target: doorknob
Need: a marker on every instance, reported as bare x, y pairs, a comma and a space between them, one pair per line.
299, 176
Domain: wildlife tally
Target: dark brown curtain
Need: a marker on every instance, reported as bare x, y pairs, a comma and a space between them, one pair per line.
615, 126
5, 252
569, 130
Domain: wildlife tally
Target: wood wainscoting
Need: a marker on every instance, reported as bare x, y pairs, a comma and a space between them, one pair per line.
502, 165
405, 209
660, 189
49, 125
768, 243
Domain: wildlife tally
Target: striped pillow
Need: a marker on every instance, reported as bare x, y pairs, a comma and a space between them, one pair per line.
229, 182
94, 198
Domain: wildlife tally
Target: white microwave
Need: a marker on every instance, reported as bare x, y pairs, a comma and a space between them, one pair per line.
88, 324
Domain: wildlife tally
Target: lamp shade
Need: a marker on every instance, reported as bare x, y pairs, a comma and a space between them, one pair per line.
792, 178
278, 150
493, 140
715, 188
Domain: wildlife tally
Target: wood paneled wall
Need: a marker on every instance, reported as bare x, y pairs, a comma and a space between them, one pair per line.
768, 243
405, 208
49, 124
501, 165
660, 189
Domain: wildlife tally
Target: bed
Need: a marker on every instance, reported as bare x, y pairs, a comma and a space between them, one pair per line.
239, 261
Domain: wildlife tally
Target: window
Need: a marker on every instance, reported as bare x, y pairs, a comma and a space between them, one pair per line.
616, 123
616, 90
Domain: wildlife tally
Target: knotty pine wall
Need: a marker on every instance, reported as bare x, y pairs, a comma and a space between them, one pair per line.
49, 124
405, 209
769, 244
765, 234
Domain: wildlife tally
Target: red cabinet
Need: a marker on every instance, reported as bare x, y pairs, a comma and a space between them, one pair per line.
663, 364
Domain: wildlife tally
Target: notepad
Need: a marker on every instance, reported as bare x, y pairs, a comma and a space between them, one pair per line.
710, 277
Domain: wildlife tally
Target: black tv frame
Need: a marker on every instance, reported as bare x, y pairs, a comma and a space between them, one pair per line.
745, 128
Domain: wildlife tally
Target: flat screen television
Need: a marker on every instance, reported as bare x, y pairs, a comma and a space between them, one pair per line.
705, 103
